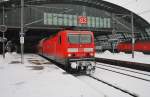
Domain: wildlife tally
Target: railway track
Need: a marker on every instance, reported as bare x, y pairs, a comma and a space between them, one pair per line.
116, 67
114, 86
109, 84
123, 74
110, 70
148, 80
117, 87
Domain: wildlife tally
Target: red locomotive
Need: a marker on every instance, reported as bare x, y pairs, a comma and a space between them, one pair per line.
140, 45
74, 49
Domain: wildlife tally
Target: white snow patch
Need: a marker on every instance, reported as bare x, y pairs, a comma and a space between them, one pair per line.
139, 57
26, 80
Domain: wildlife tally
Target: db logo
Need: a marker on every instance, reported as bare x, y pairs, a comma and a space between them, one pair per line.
82, 20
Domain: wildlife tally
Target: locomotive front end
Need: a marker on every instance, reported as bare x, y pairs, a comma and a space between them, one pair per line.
81, 51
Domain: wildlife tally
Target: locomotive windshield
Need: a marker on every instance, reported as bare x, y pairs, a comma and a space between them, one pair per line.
80, 38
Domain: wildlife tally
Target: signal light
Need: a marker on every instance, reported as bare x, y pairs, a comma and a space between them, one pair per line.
91, 54
69, 55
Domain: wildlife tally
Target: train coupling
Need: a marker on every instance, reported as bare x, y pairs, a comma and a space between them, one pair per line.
88, 66
74, 65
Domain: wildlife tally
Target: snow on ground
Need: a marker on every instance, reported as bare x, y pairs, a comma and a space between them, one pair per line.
133, 85
102, 88
38, 78
133, 72
136, 86
139, 57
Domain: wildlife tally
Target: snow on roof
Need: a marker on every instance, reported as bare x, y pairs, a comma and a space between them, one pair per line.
139, 7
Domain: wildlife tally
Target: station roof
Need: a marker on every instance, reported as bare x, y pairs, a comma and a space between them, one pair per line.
107, 5
119, 7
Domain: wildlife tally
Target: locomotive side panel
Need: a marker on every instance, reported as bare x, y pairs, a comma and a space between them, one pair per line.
61, 47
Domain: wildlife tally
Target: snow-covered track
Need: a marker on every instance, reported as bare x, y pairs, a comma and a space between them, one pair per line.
108, 83
123, 73
122, 68
111, 85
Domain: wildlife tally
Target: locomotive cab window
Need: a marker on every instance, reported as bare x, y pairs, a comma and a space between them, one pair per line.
79, 38
85, 38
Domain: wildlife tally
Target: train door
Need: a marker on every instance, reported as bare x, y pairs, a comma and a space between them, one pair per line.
59, 43
59, 48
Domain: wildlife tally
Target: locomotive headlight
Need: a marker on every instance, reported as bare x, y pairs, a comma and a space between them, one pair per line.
88, 49
72, 50
69, 55
91, 54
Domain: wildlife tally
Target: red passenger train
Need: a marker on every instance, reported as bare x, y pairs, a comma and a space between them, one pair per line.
140, 45
74, 49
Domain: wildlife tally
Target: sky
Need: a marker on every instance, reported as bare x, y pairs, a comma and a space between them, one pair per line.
140, 7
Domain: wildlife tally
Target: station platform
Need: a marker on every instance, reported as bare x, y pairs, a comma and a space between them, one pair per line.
139, 57
38, 77
140, 61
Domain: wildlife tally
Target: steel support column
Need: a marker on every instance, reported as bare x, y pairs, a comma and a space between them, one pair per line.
22, 31
132, 30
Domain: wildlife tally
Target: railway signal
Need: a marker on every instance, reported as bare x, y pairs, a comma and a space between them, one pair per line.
3, 28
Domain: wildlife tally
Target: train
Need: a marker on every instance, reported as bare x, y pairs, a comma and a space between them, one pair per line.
140, 45
74, 50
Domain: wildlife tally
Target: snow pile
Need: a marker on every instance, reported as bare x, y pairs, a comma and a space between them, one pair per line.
8, 58
121, 53
139, 53
107, 52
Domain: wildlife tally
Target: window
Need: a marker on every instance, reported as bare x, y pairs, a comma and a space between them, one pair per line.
55, 19
89, 21
65, 20
101, 22
85, 39
60, 19
80, 38
108, 22
49, 19
74, 20
73, 38
97, 22
105, 22
93, 21
70, 20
